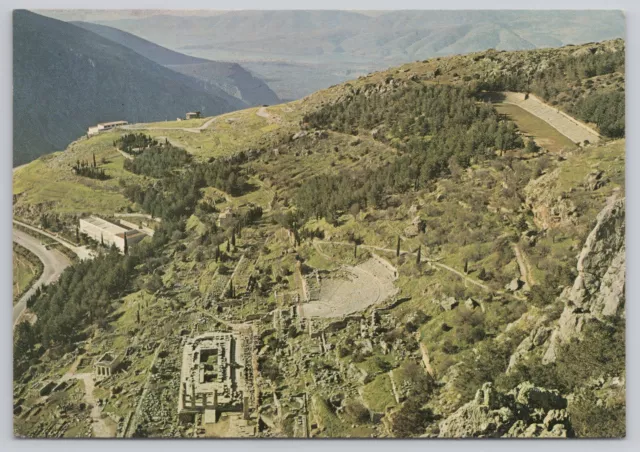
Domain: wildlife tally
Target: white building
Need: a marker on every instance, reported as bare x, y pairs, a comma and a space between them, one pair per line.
109, 233
104, 126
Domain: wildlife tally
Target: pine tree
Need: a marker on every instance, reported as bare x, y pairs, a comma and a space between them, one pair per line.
230, 290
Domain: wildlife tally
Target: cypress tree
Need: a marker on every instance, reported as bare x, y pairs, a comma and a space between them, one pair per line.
398, 248
233, 238
126, 244
94, 160
418, 258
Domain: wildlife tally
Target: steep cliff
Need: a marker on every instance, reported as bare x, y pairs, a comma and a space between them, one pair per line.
525, 412
598, 290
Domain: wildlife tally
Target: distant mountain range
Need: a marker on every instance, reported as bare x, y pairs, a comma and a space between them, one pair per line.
298, 52
230, 77
393, 35
67, 78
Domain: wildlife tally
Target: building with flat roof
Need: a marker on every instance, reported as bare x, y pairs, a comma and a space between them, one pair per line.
104, 231
193, 115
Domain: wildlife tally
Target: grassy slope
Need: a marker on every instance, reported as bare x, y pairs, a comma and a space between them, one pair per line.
243, 130
26, 270
466, 214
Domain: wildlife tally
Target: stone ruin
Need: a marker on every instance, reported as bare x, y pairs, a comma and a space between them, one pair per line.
215, 377
106, 365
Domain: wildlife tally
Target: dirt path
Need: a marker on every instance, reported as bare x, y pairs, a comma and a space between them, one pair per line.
270, 117
573, 129
125, 154
103, 427
425, 357
524, 265
174, 143
316, 245
185, 129
100, 425
423, 259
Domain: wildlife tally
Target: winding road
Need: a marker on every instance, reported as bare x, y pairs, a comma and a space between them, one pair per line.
186, 129
81, 251
54, 263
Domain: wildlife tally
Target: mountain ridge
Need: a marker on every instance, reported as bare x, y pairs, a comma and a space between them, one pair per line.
80, 74
228, 76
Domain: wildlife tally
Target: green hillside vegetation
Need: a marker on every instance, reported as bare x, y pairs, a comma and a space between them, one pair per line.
405, 166
158, 161
27, 268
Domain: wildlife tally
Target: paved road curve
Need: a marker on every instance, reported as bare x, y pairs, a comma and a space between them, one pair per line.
82, 252
54, 264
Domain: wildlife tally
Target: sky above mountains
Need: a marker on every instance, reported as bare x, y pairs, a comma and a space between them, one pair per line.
297, 52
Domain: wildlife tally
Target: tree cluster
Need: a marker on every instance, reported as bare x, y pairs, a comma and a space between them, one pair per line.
606, 110
158, 161
176, 196
90, 170
135, 142
433, 125
557, 82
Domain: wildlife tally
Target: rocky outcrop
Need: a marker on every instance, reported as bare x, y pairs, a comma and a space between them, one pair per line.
525, 412
537, 337
549, 208
598, 290
595, 180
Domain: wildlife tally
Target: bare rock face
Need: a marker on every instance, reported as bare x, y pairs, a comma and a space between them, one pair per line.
594, 180
549, 210
525, 412
598, 290
537, 337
